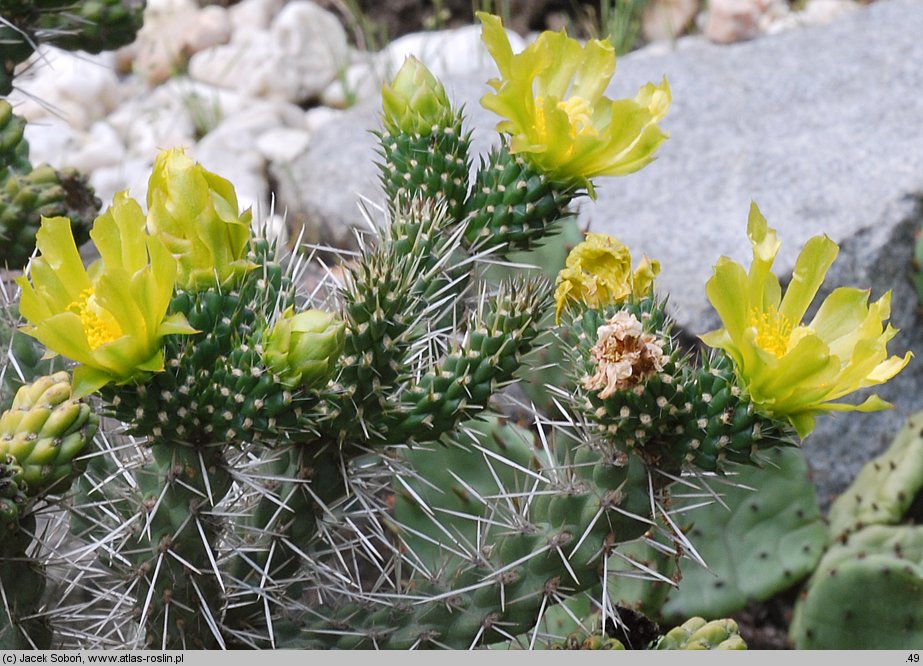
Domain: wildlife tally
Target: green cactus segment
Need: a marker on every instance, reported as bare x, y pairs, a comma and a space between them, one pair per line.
23, 625
179, 594
278, 539
873, 580
512, 205
499, 334
722, 425
14, 149
648, 592
542, 367
768, 536
698, 634
44, 431
450, 490
91, 25
886, 487
433, 166
553, 542
643, 414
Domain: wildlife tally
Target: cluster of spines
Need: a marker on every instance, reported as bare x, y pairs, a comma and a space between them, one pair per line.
499, 333
684, 414
512, 205
540, 540
434, 165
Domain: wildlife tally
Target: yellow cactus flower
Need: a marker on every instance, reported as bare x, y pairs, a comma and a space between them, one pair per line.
794, 370
111, 317
195, 214
551, 95
597, 272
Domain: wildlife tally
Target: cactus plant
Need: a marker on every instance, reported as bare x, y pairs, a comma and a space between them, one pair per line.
340, 467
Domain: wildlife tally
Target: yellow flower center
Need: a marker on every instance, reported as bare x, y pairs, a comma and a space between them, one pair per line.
98, 324
579, 113
773, 330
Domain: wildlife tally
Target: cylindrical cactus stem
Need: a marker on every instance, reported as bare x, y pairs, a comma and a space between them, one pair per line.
722, 426
630, 376
512, 204
23, 580
44, 432
88, 25
499, 335
281, 528
560, 542
14, 149
391, 299
423, 144
179, 593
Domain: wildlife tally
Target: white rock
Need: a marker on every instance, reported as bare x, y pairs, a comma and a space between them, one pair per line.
316, 118
294, 60
445, 52
815, 12
312, 46
359, 82
129, 175
101, 147
733, 20
52, 141
282, 144
251, 15
167, 7
212, 26
154, 122
77, 87
168, 38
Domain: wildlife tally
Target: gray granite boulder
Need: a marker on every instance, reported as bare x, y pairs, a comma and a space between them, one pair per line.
822, 127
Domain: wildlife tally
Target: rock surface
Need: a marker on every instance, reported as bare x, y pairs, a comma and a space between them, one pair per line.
821, 127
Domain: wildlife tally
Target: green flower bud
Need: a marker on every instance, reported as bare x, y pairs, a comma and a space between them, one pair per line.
44, 432
195, 214
303, 349
415, 102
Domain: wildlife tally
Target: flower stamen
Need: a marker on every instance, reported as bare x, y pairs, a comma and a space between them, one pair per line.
773, 330
98, 324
